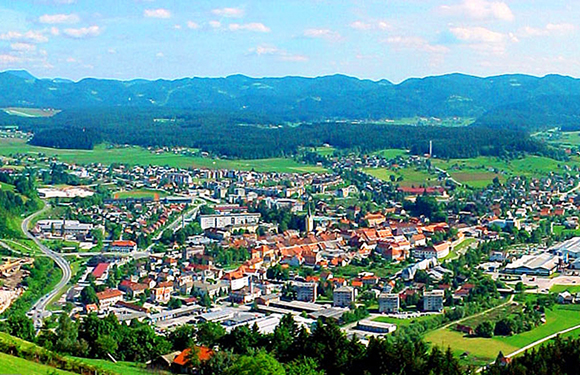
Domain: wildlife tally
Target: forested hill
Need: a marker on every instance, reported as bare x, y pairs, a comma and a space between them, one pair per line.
492, 99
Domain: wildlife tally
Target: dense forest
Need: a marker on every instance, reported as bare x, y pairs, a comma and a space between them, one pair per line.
223, 135
15, 203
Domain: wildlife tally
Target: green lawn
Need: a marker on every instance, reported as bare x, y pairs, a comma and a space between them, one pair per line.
6, 187
466, 242
25, 246
324, 151
122, 368
391, 153
483, 350
562, 288
411, 177
139, 156
15, 365
560, 229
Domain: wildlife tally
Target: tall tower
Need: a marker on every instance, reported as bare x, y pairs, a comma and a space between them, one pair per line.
309, 222
430, 149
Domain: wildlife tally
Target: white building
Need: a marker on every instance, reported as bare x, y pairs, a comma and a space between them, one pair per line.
433, 301
343, 296
226, 220
389, 303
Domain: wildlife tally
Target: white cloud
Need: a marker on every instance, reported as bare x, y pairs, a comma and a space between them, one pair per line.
229, 12
157, 13
322, 34
366, 26
59, 18
550, 29
112, 51
477, 35
257, 27
193, 25
9, 59
160, 54
83, 32
480, 10
65, 2
279, 54
416, 43
215, 24
29, 36
23, 47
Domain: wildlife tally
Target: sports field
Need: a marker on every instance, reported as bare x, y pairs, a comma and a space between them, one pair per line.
137, 194
134, 155
484, 350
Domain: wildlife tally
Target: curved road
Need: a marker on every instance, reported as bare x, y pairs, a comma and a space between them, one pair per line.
38, 310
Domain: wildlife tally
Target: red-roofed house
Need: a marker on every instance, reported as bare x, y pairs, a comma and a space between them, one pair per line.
109, 298
100, 271
123, 246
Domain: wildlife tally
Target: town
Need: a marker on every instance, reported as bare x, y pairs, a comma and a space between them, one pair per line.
173, 247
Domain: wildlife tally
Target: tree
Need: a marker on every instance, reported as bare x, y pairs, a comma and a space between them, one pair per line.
259, 364
209, 333
21, 326
88, 295
182, 337
303, 366
485, 329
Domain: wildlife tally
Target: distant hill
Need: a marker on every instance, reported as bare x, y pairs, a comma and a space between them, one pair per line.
494, 100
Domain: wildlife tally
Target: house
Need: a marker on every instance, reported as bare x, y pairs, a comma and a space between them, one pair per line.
132, 289
181, 363
161, 294
109, 297
343, 296
465, 329
565, 298
123, 246
100, 272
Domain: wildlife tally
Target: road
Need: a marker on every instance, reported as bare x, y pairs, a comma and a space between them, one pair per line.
38, 311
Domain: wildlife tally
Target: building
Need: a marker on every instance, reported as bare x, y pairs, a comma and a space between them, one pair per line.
389, 303
161, 294
343, 296
568, 249
369, 325
64, 227
544, 264
306, 292
123, 246
227, 220
433, 301
101, 271
109, 297
132, 289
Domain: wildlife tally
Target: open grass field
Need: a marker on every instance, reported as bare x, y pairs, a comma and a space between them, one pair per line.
324, 150
15, 365
476, 179
562, 288
459, 248
560, 229
566, 139
484, 350
6, 187
411, 177
30, 112
122, 368
140, 156
391, 153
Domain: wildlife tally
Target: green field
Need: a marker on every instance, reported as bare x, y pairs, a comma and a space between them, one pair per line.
134, 155
560, 229
15, 365
484, 350
324, 150
6, 187
562, 288
390, 153
411, 177
124, 368
459, 248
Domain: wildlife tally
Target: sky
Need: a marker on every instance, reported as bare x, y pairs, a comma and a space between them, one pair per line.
388, 39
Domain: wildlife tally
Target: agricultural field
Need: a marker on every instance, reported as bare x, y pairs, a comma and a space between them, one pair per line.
133, 155
411, 177
562, 288
30, 112
484, 350
138, 194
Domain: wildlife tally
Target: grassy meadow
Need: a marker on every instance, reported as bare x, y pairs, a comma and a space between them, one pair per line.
133, 155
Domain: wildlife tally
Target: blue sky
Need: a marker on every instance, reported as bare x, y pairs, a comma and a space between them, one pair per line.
390, 39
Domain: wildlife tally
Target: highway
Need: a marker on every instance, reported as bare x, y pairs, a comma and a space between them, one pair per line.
38, 310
